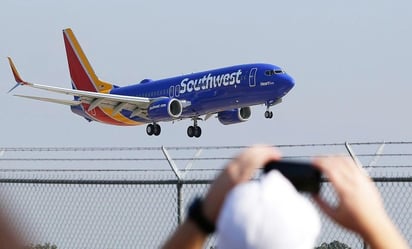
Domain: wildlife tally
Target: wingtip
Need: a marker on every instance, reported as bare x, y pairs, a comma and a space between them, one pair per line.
16, 74
14, 87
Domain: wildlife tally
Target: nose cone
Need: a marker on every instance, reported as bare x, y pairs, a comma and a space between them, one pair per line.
287, 83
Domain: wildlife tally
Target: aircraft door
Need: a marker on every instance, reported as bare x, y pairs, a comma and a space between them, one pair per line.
171, 91
177, 90
252, 77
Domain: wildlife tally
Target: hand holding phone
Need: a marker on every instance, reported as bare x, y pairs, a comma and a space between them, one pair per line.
303, 176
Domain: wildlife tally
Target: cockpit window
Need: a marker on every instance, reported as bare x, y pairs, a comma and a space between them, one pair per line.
273, 72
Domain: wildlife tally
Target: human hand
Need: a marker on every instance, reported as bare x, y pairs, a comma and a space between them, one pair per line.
240, 169
360, 207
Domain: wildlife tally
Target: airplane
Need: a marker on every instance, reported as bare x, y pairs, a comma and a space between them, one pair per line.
227, 93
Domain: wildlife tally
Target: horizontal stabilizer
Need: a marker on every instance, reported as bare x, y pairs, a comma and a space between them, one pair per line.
57, 101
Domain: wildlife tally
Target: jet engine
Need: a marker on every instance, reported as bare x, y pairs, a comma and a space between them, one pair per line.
234, 116
165, 109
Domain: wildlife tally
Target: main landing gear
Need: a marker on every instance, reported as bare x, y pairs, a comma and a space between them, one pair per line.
153, 129
194, 131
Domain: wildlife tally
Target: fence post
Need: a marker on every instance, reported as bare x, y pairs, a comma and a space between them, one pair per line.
179, 202
179, 184
378, 154
353, 155
356, 160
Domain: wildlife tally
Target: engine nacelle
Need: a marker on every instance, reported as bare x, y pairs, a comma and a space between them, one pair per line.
165, 109
234, 116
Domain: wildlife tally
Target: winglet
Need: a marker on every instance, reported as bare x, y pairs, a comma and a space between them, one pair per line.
16, 75
15, 72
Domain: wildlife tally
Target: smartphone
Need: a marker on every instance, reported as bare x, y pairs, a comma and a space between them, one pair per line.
303, 176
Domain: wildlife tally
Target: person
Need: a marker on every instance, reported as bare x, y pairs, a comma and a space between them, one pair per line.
10, 237
359, 209
267, 213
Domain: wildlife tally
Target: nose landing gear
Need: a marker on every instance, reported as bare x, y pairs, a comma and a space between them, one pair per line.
268, 104
268, 114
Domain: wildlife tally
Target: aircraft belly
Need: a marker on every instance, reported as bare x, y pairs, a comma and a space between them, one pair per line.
204, 106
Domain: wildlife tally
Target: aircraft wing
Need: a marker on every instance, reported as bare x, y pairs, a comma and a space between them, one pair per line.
57, 101
138, 105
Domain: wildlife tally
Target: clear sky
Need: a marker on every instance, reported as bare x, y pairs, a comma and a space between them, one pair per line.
350, 59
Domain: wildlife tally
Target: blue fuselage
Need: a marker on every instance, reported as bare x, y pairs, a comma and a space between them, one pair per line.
216, 90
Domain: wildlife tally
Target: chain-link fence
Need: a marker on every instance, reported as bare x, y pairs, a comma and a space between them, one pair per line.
61, 199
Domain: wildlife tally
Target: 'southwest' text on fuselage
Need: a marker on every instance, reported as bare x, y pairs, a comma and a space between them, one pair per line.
210, 81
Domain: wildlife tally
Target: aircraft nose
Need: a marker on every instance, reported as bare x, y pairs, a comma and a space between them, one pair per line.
287, 83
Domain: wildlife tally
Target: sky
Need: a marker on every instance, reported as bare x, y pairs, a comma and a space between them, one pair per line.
350, 61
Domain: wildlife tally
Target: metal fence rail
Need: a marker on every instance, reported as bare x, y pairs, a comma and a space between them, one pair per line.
141, 214
88, 204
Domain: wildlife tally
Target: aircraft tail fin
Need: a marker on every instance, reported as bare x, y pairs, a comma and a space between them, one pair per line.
81, 72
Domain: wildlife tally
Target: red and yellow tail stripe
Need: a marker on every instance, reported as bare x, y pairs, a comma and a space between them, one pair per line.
81, 72
84, 78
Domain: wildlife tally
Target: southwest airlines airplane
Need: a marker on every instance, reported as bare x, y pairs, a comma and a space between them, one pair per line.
226, 93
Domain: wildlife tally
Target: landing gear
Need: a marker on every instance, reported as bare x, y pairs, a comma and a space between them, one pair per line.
268, 114
153, 129
194, 131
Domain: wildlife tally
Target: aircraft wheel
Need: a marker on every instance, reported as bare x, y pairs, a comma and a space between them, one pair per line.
150, 129
268, 114
156, 129
191, 131
198, 131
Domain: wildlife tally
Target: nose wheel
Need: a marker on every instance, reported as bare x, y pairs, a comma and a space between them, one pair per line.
194, 130
153, 129
268, 104
268, 114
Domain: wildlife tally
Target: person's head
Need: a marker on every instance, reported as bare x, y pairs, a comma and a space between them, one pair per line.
268, 213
